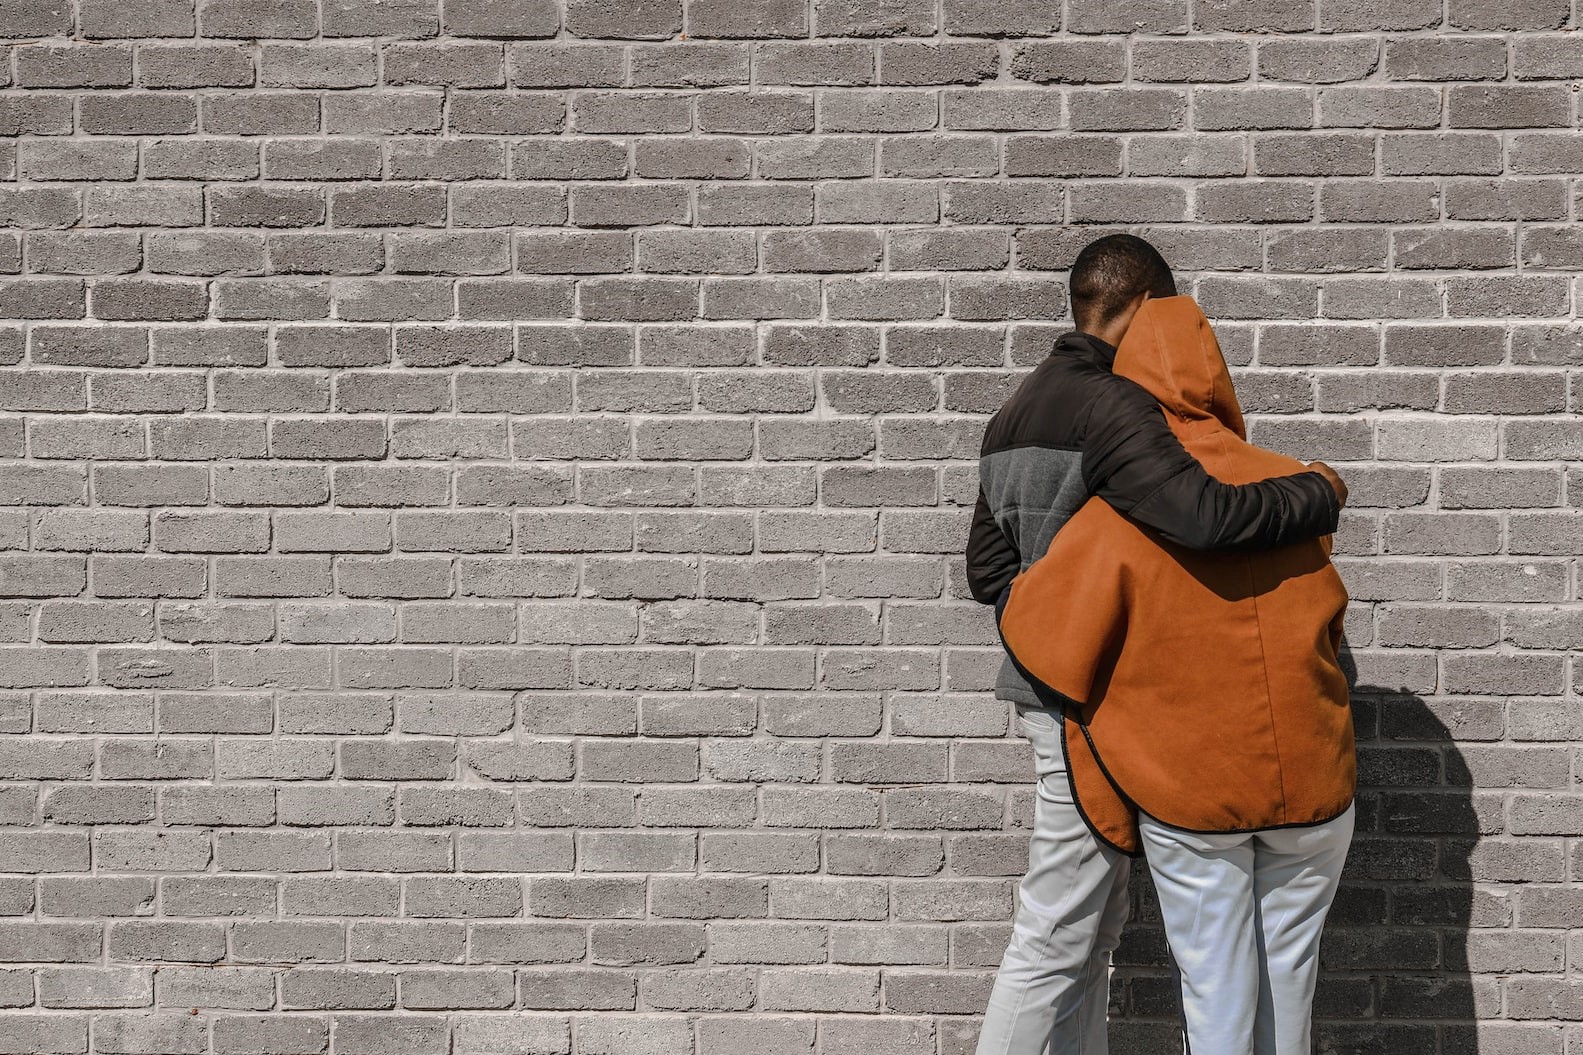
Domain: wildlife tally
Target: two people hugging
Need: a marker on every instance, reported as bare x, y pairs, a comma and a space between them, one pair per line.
1172, 625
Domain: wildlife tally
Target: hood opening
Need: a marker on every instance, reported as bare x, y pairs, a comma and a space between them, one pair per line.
1171, 351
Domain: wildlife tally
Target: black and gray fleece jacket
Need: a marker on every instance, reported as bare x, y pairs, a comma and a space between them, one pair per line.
1072, 430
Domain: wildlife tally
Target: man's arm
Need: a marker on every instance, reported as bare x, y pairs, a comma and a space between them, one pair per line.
992, 561
1133, 460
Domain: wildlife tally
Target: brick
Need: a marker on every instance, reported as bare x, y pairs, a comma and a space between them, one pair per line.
1191, 61
1266, 15
1072, 62
1024, 17
1126, 109
67, 66
1090, 17
1405, 106
1448, 57
1442, 534
1012, 109
1439, 153
951, 63
1262, 201
448, 65
838, 989
1328, 154
1402, 201
1318, 61
1475, 249
1536, 295
1515, 106
1537, 14
1228, 109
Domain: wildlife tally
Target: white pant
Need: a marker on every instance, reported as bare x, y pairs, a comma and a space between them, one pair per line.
1054, 981
1243, 914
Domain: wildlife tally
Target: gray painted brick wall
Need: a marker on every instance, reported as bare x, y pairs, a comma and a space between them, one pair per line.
483, 493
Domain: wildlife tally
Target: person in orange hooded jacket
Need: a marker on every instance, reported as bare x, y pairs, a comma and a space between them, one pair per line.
1206, 717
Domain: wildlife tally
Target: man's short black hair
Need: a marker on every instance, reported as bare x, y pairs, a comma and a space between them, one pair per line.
1112, 270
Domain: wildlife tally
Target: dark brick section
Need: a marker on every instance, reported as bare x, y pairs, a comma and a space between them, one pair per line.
483, 485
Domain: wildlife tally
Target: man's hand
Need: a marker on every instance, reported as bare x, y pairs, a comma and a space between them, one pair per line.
1334, 477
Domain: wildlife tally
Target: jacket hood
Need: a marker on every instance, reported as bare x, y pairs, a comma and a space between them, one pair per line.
1171, 351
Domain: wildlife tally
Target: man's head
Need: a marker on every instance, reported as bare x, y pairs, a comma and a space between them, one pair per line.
1110, 280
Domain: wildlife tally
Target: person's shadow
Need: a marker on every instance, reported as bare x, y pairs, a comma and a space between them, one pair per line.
1394, 973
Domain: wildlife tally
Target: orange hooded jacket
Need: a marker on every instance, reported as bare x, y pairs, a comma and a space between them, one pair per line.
1207, 686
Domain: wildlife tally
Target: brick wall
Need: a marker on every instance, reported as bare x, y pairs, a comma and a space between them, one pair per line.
484, 489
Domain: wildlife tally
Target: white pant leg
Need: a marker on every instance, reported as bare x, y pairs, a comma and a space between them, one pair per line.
1205, 887
1243, 914
1296, 871
1052, 989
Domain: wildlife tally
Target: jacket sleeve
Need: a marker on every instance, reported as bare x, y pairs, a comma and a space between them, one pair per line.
992, 561
1133, 460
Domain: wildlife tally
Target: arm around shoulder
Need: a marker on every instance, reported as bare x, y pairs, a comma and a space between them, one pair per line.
1133, 460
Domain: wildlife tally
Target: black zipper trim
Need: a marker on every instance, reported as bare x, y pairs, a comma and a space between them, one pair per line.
1077, 800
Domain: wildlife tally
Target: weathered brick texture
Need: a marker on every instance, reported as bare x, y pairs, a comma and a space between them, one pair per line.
483, 484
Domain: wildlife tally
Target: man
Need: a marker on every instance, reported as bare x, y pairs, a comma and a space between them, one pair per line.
1073, 430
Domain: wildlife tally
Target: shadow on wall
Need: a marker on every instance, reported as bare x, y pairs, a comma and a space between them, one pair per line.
1394, 978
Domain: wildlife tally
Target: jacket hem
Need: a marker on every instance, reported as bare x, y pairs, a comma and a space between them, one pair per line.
1140, 808
1351, 801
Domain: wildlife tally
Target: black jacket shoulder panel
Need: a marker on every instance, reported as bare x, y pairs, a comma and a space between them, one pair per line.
1030, 463
1050, 406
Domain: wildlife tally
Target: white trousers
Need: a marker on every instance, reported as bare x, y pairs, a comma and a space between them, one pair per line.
1243, 915
1052, 989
